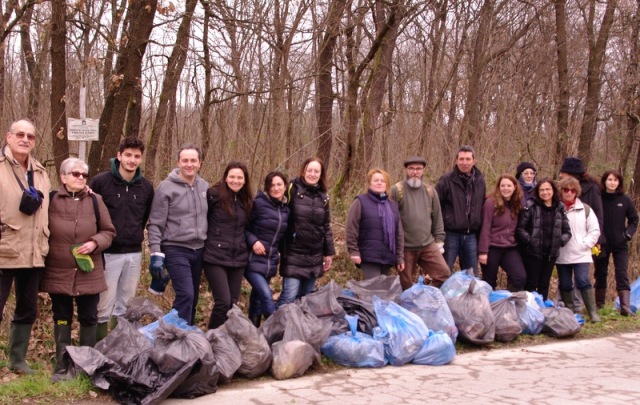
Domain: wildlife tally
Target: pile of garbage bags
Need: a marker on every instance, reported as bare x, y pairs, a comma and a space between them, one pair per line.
150, 356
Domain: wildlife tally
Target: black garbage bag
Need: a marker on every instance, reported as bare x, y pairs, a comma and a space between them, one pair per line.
123, 343
366, 315
559, 322
292, 359
473, 316
139, 309
506, 318
384, 287
174, 348
324, 305
290, 323
226, 352
255, 350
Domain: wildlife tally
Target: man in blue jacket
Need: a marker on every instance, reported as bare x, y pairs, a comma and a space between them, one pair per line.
462, 193
128, 196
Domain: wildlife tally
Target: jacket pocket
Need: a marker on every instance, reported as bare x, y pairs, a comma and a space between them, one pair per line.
10, 241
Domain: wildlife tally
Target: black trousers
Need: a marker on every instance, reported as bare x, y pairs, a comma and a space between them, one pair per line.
87, 306
27, 282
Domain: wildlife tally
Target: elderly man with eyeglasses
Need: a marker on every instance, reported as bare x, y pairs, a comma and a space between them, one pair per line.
24, 232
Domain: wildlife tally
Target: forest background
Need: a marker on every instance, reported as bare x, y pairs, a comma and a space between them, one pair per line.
359, 83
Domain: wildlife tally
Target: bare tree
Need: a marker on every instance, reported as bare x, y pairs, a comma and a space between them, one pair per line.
58, 86
562, 114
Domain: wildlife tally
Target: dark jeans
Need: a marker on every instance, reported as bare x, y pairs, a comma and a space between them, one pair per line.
87, 306
371, 270
185, 269
261, 299
27, 282
538, 274
225, 286
464, 245
430, 261
294, 288
509, 259
566, 273
621, 265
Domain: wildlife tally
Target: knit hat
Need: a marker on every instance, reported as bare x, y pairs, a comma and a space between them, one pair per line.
415, 159
524, 166
572, 165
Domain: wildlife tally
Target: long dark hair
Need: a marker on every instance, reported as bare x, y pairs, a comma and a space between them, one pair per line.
322, 183
269, 179
245, 194
620, 189
556, 193
514, 204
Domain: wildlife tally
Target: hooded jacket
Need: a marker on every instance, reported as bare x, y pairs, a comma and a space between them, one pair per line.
178, 214
73, 221
129, 204
268, 224
529, 231
23, 238
584, 235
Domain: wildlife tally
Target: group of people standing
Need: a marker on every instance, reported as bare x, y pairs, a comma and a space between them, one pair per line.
82, 243
526, 226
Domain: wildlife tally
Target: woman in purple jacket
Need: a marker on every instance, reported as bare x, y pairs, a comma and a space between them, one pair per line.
497, 246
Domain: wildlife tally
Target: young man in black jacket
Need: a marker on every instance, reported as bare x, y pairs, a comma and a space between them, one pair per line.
128, 197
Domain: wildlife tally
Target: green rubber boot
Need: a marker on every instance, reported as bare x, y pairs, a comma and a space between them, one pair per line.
18, 345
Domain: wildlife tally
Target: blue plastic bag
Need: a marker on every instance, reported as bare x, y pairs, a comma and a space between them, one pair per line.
437, 350
354, 349
171, 318
531, 319
459, 283
634, 297
429, 304
497, 295
406, 331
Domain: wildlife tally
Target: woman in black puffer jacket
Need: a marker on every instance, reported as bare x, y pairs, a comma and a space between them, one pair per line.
225, 250
266, 228
308, 247
542, 229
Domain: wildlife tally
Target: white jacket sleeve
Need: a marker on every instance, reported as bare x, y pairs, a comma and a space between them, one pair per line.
593, 230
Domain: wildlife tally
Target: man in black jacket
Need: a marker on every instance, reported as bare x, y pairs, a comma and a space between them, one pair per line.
462, 193
128, 197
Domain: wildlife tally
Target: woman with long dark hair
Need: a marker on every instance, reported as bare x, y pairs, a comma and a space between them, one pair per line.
497, 246
543, 228
308, 247
266, 228
619, 225
225, 255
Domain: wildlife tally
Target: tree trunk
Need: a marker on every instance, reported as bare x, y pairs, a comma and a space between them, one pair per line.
138, 24
630, 94
58, 86
562, 115
597, 48
174, 67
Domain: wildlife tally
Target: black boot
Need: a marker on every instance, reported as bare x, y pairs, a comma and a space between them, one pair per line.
567, 299
589, 299
18, 345
88, 335
101, 331
625, 303
255, 320
62, 334
601, 297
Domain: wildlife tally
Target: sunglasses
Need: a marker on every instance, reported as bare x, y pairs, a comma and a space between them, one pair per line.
22, 135
570, 190
78, 174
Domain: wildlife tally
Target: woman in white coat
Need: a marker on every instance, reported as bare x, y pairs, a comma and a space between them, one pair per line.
575, 256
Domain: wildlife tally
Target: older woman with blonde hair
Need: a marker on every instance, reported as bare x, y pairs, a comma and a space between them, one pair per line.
375, 240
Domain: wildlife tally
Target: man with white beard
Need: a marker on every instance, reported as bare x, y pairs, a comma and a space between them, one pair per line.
423, 227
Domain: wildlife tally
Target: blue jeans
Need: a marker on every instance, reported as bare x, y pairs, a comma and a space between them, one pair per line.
261, 299
122, 274
185, 269
293, 288
464, 245
566, 273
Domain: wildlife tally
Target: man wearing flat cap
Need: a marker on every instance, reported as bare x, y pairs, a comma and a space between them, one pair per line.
422, 222
462, 194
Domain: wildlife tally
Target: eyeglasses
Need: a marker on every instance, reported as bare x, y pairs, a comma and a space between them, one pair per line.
415, 169
78, 174
570, 190
23, 135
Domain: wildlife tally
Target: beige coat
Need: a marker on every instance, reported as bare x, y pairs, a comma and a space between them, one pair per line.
72, 221
23, 238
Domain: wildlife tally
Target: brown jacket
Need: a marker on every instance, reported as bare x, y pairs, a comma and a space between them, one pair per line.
72, 221
23, 238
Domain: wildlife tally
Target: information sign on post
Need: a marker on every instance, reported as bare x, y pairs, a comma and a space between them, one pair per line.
85, 129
